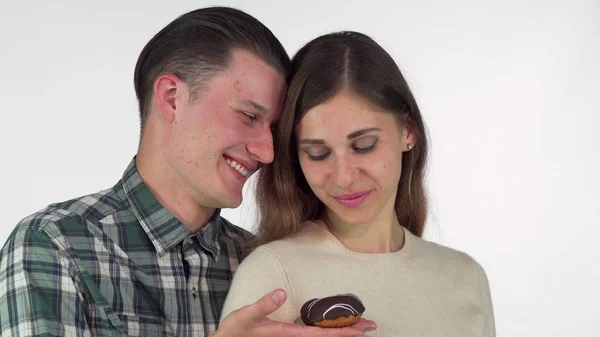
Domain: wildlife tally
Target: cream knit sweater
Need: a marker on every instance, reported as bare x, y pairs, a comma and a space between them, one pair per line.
422, 290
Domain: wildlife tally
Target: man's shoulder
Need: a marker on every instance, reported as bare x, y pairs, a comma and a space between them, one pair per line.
234, 232
60, 221
237, 239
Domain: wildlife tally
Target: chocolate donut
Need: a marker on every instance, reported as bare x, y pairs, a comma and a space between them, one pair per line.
333, 311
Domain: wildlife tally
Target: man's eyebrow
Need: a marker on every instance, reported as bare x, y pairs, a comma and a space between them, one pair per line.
256, 106
361, 132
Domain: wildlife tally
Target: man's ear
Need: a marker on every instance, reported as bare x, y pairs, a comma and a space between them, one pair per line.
167, 88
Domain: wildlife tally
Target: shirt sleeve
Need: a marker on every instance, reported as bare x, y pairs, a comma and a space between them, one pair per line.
258, 275
486, 299
38, 295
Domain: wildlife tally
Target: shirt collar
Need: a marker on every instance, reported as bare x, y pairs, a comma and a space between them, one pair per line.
163, 228
208, 236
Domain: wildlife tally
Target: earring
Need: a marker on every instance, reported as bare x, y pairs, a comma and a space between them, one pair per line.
410, 147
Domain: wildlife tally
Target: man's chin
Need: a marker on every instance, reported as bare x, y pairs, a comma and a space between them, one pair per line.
232, 202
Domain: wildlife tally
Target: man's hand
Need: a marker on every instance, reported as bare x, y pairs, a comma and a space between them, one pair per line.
252, 321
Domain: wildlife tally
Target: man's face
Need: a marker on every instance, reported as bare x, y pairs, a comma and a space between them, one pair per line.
219, 140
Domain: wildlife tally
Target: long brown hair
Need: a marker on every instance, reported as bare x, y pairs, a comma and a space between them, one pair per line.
328, 64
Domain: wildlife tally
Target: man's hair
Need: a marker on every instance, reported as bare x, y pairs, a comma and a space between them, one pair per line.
197, 45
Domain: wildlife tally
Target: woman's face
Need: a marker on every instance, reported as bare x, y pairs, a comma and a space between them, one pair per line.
351, 156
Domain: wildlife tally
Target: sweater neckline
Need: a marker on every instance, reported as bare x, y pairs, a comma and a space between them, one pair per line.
338, 245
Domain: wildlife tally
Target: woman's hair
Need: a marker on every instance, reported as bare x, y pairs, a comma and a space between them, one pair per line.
327, 65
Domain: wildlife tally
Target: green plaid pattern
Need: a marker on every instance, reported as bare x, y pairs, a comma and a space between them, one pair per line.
116, 263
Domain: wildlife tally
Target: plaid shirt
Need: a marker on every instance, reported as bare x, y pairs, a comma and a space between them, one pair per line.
116, 263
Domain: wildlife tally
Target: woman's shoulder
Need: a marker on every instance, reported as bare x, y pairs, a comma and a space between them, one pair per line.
292, 248
442, 256
273, 258
309, 237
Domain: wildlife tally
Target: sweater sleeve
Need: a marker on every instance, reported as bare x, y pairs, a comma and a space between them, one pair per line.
486, 299
259, 274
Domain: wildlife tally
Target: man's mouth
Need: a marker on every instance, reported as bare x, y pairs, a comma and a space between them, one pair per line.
240, 168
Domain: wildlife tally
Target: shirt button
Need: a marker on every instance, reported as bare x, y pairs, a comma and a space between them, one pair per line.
187, 241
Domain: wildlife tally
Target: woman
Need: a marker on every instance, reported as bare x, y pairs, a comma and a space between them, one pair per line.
343, 206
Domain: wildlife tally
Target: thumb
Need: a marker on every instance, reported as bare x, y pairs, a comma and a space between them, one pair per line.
265, 306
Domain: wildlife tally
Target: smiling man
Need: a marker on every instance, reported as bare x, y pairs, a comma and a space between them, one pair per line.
151, 256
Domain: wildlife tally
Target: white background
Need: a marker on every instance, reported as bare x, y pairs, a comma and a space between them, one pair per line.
509, 90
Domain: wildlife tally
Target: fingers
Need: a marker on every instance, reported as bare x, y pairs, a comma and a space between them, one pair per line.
265, 306
350, 331
304, 331
273, 328
365, 325
358, 329
269, 328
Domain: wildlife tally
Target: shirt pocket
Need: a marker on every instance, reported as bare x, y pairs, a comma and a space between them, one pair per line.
143, 326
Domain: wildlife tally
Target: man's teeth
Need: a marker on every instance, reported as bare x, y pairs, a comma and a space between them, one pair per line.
237, 166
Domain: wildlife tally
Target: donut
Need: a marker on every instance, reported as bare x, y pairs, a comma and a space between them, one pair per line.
333, 311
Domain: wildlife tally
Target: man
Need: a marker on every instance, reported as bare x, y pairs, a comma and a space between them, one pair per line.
151, 256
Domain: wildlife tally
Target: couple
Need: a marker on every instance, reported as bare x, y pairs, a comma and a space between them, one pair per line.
341, 148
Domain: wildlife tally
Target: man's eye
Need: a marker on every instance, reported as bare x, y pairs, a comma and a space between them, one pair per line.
251, 117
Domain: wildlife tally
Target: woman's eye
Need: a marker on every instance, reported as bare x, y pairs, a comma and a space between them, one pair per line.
365, 146
317, 155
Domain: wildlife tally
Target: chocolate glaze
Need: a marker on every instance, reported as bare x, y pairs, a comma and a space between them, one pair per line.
332, 307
